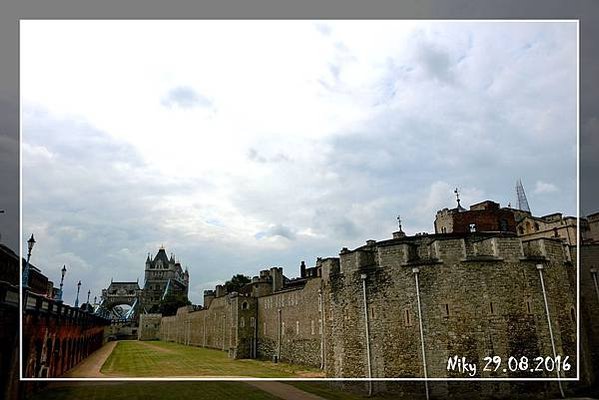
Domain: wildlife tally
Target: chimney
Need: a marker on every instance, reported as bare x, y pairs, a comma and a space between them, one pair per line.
276, 274
303, 269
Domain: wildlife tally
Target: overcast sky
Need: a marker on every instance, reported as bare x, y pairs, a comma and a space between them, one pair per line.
246, 144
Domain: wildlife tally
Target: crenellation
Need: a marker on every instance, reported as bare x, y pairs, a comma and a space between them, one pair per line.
450, 248
480, 293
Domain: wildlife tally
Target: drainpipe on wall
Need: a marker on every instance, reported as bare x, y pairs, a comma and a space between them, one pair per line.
594, 274
279, 336
321, 309
366, 329
189, 332
204, 329
256, 332
224, 330
559, 382
416, 271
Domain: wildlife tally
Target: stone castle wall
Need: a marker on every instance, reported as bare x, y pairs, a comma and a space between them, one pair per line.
290, 325
149, 325
589, 309
478, 302
480, 295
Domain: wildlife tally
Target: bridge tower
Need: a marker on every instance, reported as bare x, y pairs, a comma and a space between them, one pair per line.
163, 275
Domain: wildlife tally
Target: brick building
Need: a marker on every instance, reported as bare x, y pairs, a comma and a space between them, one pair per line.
485, 216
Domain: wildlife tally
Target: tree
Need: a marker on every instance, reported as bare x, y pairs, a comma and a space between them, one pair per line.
236, 283
171, 303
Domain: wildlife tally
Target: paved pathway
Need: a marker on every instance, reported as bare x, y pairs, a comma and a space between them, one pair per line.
90, 367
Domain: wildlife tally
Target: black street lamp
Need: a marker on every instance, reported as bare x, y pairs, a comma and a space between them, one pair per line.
30, 244
77, 299
63, 271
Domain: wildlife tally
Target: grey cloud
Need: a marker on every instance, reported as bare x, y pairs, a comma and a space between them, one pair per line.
88, 202
185, 97
277, 230
424, 132
436, 61
92, 198
337, 225
256, 156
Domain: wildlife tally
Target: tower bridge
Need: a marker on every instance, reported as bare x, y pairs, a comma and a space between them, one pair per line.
115, 296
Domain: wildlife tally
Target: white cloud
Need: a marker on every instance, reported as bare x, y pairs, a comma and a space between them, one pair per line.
545, 187
277, 140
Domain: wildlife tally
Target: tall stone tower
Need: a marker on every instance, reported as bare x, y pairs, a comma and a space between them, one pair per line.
163, 275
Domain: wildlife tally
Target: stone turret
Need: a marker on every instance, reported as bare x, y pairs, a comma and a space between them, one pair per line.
208, 297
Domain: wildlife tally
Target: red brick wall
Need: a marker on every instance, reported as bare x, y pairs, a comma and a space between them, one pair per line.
485, 220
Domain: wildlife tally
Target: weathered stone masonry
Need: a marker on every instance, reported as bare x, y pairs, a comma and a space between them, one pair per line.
480, 294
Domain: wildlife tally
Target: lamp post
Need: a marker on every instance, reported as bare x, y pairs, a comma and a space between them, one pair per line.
30, 244
87, 306
77, 299
63, 271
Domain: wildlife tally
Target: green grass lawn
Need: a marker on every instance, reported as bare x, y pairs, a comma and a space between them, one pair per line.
166, 359
155, 391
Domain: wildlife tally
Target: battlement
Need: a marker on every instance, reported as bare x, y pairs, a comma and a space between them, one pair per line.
315, 318
546, 249
446, 248
272, 280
